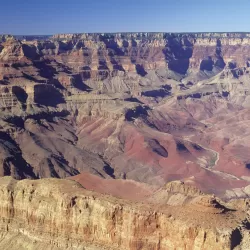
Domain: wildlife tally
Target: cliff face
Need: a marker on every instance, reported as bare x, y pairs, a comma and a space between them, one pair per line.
60, 214
67, 60
140, 52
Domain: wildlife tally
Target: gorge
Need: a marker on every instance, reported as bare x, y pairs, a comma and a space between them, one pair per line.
129, 141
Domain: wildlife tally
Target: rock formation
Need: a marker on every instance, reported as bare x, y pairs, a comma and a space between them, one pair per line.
153, 118
60, 214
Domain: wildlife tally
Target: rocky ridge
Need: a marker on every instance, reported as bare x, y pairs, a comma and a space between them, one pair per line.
60, 214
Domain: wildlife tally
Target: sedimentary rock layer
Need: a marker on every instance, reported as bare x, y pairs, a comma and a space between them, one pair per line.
60, 214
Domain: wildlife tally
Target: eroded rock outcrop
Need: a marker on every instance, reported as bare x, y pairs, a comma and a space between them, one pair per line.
60, 214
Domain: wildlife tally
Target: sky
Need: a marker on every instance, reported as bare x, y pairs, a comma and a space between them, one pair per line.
47, 17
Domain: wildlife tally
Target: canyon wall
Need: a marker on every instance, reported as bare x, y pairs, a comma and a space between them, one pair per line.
60, 214
144, 51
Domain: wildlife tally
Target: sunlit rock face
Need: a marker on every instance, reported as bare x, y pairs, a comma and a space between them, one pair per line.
60, 214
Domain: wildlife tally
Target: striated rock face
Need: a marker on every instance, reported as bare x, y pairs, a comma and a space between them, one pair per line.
60, 214
140, 52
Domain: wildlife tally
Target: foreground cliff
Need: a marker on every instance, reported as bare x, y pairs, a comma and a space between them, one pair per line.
60, 214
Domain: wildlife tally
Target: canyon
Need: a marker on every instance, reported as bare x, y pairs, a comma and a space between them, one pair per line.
128, 141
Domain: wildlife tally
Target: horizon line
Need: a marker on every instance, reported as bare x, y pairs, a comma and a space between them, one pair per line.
124, 32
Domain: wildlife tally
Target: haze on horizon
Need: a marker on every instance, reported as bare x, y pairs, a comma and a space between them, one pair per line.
77, 16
